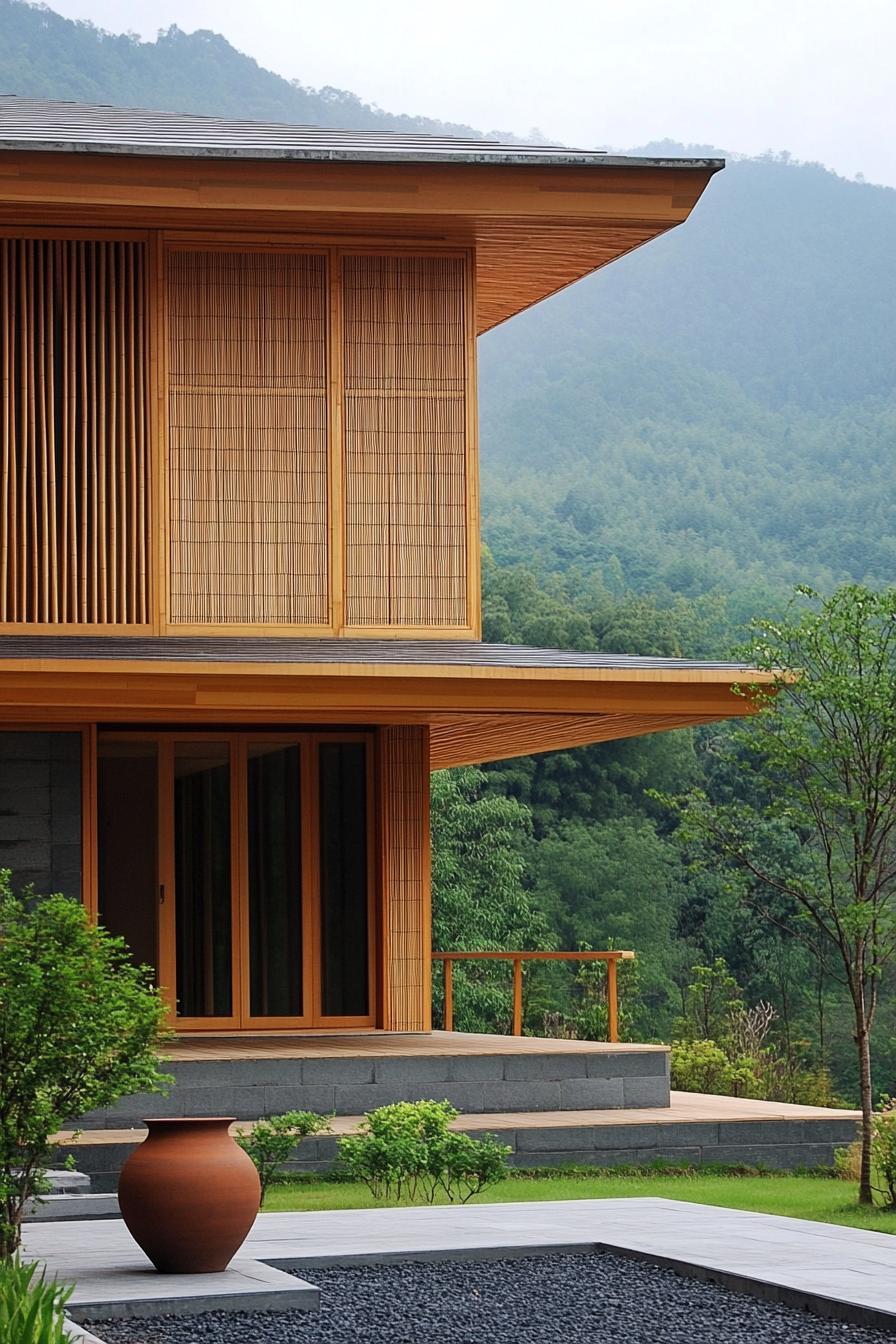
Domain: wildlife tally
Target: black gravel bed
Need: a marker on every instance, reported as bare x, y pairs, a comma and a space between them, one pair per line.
533, 1300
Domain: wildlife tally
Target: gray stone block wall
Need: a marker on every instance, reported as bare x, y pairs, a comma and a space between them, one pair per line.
40, 810
251, 1088
783, 1145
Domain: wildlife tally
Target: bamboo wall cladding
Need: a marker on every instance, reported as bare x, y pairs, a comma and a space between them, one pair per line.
248, 438
404, 789
405, 441
74, 493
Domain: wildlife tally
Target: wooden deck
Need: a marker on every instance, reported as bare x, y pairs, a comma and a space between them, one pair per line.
379, 1044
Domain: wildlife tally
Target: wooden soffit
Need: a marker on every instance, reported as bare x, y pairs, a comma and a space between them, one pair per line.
474, 714
535, 229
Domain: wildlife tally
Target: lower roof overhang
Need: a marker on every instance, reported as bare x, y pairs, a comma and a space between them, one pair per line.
481, 702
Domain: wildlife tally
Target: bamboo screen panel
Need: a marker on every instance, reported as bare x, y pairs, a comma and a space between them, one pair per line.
405, 441
404, 786
74, 497
248, 438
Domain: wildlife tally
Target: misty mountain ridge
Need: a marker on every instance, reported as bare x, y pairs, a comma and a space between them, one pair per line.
714, 413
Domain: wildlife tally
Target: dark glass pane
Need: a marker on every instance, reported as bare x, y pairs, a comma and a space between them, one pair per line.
40, 811
343, 879
202, 878
275, 881
127, 833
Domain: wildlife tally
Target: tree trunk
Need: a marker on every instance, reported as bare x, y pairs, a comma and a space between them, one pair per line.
863, 1045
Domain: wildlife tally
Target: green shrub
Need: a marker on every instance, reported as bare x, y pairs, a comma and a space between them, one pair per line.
270, 1142
79, 1027
883, 1149
32, 1308
703, 1066
408, 1151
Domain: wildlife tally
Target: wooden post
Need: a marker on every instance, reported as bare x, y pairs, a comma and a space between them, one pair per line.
449, 995
612, 1002
517, 997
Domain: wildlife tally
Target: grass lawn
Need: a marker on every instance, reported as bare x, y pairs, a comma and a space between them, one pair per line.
820, 1198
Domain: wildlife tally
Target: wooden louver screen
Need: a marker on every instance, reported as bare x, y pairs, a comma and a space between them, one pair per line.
405, 441
248, 438
74, 465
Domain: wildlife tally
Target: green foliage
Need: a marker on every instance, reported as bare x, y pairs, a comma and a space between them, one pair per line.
407, 1151
711, 1000
883, 1148
79, 1028
270, 1142
479, 849
813, 839
703, 1066
32, 1307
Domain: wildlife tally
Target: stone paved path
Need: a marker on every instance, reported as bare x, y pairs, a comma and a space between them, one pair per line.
843, 1272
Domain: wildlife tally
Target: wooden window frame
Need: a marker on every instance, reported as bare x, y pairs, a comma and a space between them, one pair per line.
241, 1019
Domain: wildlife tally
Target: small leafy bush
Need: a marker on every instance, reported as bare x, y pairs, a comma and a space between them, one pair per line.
407, 1151
80, 1026
32, 1308
883, 1149
270, 1142
703, 1066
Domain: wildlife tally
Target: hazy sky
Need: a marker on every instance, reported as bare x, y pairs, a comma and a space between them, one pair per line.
815, 77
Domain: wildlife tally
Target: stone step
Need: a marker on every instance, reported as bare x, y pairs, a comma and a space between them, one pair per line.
693, 1130
601, 1077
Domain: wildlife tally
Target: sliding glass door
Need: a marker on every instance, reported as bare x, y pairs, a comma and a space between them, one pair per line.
240, 866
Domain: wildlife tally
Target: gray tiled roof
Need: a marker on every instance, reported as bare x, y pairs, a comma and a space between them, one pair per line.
37, 124
410, 652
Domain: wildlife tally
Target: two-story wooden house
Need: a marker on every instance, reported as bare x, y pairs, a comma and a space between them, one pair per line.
239, 533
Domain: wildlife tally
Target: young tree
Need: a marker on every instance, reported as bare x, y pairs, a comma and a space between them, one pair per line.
79, 1027
818, 847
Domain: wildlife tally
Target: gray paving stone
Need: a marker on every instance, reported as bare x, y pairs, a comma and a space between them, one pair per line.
476, 1068
645, 1092
761, 1131
494, 1097
553, 1137
518, 1068
358, 1098
686, 1135
599, 1094
422, 1071
297, 1098
337, 1071
624, 1136
630, 1064
644, 1157
780, 1156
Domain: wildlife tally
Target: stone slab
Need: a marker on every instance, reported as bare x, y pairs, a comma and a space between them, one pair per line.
841, 1273
113, 1278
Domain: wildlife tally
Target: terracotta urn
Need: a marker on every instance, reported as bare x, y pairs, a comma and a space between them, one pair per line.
189, 1195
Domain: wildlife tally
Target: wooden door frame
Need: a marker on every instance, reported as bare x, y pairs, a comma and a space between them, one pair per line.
238, 741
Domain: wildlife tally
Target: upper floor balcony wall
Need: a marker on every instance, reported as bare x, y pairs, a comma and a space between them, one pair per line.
236, 434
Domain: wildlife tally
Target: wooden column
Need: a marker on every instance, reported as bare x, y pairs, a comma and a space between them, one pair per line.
403, 758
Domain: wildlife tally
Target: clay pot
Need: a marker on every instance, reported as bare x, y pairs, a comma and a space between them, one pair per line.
189, 1195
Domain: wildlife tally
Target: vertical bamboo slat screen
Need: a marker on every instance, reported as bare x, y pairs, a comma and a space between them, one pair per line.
405, 878
74, 472
248, 438
405, 441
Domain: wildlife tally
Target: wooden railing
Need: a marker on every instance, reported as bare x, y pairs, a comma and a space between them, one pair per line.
611, 958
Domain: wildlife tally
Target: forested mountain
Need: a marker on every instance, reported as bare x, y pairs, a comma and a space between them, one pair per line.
667, 448
717, 411
46, 56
